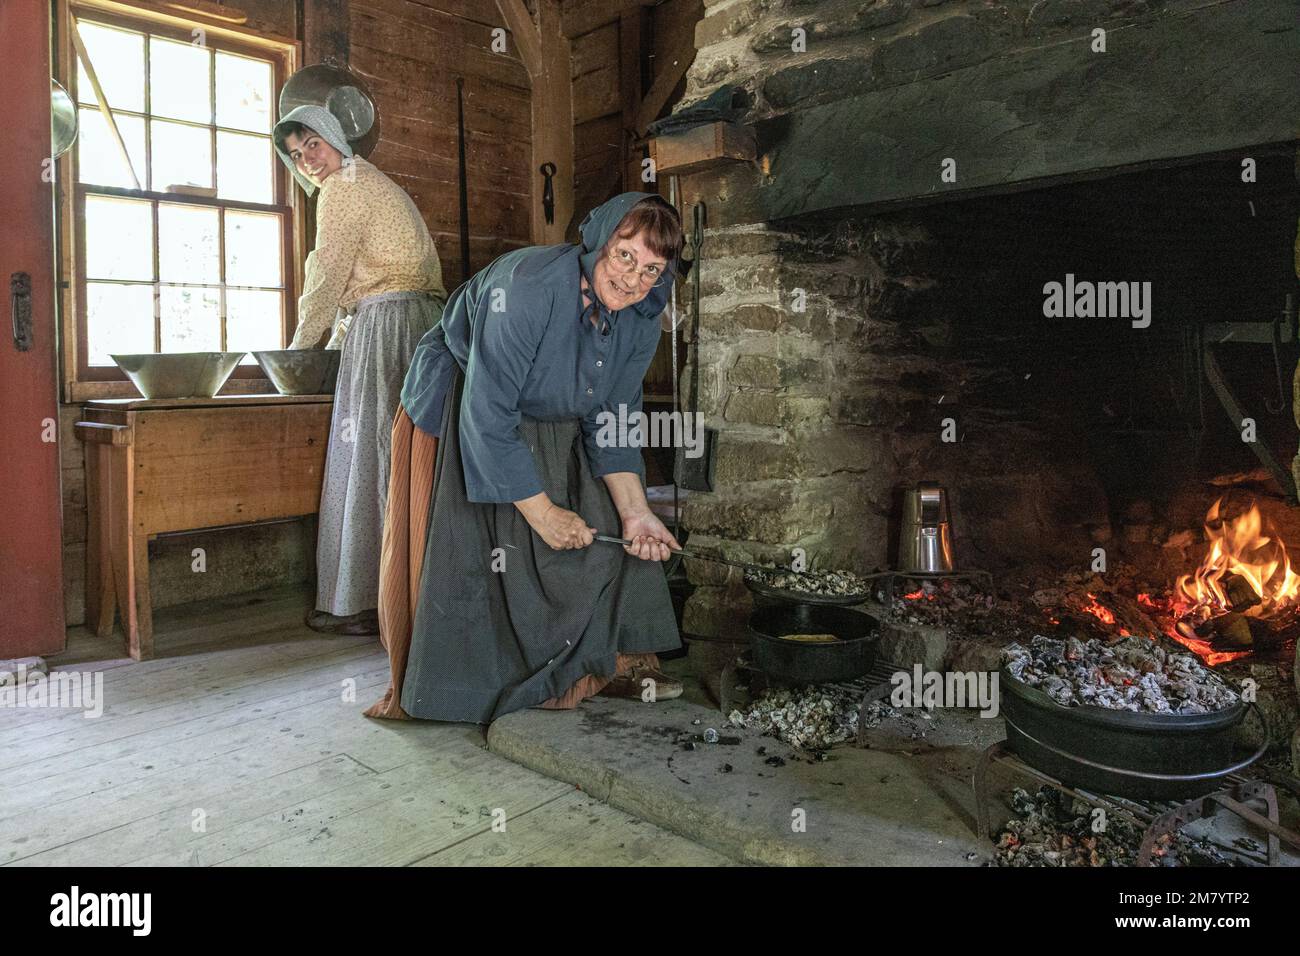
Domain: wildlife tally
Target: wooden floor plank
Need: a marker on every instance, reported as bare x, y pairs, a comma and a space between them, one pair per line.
575, 830
229, 647
255, 752
195, 625
312, 716
242, 716
212, 679
170, 833
429, 812
46, 760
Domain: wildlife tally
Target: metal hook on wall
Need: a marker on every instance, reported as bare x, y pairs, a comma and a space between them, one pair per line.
548, 169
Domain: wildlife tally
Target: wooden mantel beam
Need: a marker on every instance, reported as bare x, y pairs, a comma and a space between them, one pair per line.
545, 53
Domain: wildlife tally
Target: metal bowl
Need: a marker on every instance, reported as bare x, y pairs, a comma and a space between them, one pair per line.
301, 371
179, 374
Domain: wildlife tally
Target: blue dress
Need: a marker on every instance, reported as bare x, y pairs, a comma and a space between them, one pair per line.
512, 381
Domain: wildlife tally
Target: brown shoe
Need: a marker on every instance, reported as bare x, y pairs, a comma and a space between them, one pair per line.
353, 625
633, 686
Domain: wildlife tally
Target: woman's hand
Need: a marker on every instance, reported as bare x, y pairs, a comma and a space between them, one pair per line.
562, 529
650, 539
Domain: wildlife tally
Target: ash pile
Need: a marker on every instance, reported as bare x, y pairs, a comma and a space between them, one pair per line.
1052, 828
812, 718
1133, 673
964, 609
814, 583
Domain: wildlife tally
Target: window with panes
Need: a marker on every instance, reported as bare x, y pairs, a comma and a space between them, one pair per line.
183, 230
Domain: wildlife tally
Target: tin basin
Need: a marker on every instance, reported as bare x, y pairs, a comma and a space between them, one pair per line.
301, 371
179, 374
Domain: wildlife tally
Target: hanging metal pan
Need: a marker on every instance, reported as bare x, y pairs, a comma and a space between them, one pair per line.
63, 120
341, 92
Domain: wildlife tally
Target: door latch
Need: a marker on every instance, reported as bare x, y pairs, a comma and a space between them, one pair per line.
20, 308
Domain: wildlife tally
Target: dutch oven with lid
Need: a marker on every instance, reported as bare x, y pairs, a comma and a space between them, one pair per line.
1120, 752
794, 662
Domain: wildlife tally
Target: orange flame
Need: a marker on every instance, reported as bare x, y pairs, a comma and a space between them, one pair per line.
1245, 547
1205, 651
1099, 611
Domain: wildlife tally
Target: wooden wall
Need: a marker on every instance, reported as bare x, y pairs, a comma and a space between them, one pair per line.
618, 50
410, 52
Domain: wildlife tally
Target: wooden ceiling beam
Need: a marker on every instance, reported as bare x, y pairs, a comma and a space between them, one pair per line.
660, 90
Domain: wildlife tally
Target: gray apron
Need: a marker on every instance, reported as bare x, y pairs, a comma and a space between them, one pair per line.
382, 336
487, 642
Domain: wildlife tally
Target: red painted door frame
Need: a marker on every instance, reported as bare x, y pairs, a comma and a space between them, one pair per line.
31, 537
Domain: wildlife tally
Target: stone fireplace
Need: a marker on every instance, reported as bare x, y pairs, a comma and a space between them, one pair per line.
873, 300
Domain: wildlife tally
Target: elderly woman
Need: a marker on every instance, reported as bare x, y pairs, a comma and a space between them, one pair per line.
375, 267
493, 595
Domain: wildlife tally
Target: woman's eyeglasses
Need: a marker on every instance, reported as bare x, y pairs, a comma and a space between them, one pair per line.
624, 262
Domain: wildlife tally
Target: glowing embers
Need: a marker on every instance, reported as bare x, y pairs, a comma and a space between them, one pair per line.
1100, 612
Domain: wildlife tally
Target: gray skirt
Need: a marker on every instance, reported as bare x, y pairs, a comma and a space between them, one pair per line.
503, 622
377, 350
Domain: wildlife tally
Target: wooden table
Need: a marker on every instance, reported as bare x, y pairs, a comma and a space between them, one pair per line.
184, 464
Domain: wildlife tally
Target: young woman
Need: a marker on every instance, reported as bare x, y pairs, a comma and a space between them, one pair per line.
493, 595
375, 267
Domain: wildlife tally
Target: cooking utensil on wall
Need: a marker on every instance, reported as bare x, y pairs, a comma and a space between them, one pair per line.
341, 92
926, 543
462, 179
63, 120
696, 474
548, 169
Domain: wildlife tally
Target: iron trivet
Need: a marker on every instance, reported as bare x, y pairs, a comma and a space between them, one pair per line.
1157, 818
891, 576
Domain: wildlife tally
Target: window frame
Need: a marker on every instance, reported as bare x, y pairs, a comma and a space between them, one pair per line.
81, 380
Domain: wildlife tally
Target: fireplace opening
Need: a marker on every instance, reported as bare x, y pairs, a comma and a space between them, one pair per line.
1135, 331
1085, 368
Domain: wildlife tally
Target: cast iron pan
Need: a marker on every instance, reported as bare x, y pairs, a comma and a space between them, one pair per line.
794, 662
1120, 752
805, 597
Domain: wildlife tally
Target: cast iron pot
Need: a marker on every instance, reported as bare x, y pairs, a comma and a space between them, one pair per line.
1120, 752
794, 662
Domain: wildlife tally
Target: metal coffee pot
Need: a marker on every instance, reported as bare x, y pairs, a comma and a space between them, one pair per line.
925, 543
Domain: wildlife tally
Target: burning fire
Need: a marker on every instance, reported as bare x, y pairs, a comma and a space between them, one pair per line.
1244, 547
1102, 613
1099, 611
